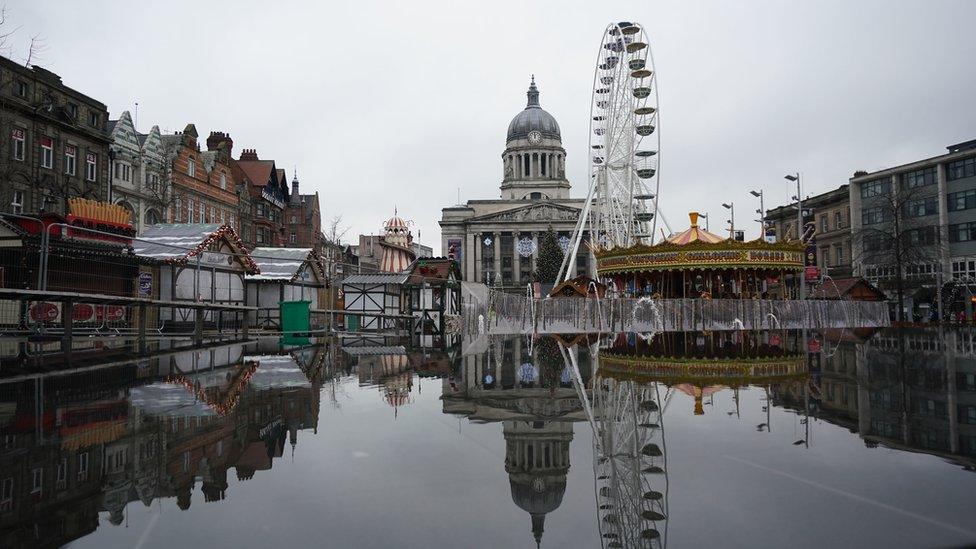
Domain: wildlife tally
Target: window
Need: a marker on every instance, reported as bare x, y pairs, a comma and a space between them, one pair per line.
177, 210
6, 494
294, 238
37, 480
877, 187
873, 244
152, 181
922, 207
825, 256
961, 168
70, 154
22, 89
191, 166
223, 180
83, 467
17, 134
839, 254
17, 201
962, 200
122, 171
72, 110
93, 119
294, 220
919, 178
47, 152
259, 236
823, 223
203, 209
62, 480
871, 216
924, 236
962, 232
838, 220
232, 221
91, 167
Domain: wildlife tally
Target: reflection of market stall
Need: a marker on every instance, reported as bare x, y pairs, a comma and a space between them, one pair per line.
528, 389
697, 263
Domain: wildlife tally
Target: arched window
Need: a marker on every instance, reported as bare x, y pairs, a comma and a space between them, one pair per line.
152, 217
545, 158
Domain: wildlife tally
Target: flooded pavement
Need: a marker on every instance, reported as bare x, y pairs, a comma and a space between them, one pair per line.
744, 439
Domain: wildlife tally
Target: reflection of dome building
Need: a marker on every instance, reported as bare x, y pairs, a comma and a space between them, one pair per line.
537, 461
537, 418
496, 241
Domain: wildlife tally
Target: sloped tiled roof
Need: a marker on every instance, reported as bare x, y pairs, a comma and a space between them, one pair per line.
281, 263
258, 171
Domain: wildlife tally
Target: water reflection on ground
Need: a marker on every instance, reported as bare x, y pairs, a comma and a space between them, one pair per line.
773, 438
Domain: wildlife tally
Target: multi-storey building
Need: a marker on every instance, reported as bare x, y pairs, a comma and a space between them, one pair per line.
138, 172
201, 181
931, 205
303, 219
55, 146
830, 215
268, 188
497, 241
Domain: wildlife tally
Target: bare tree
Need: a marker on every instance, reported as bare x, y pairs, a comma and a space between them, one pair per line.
336, 230
900, 237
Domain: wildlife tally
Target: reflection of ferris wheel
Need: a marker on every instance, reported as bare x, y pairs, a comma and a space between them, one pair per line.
630, 461
621, 204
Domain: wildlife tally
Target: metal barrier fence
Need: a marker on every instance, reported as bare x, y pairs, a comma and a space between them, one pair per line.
506, 313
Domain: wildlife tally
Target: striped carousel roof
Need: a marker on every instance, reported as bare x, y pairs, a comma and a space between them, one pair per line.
695, 234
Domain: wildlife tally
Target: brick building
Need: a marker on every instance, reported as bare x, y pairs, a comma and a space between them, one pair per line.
202, 182
268, 188
55, 145
303, 219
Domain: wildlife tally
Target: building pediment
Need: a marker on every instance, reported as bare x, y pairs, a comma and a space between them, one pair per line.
532, 212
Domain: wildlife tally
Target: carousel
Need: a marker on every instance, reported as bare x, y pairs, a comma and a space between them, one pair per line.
698, 264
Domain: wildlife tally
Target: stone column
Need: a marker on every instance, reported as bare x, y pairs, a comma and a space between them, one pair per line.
476, 252
535, 254
468, 251
857, 240
945, 259
496, 248
516, 259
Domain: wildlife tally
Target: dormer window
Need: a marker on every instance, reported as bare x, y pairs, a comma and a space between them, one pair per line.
72, 110
22, 89
93, 119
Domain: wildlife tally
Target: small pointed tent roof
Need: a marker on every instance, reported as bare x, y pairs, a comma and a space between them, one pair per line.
694, 234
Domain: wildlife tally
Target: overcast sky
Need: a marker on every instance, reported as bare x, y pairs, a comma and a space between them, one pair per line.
401, 104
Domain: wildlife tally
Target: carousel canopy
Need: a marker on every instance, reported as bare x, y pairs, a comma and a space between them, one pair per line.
701, 250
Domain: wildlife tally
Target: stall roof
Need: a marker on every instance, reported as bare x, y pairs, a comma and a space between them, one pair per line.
173, 242
384, 278
282, 263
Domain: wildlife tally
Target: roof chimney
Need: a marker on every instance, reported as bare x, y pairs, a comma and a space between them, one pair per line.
249, 154
222, 143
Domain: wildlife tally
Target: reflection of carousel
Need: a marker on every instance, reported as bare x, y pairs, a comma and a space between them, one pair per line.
528, 390
697, 263
700, 364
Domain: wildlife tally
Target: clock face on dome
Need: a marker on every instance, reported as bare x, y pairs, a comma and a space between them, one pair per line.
535, 137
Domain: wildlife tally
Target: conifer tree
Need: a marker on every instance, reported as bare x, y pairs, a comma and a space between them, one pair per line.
550, 258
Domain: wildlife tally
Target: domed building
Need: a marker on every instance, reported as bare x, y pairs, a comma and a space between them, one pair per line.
397, 253
496, 241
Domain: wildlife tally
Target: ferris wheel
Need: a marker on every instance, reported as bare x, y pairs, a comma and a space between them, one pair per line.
621, 203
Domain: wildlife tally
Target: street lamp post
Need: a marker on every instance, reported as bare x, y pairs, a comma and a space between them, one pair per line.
799, 228
762, 214
731, 207
706, 220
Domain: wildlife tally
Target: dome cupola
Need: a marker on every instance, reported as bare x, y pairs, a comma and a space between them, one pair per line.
533, 118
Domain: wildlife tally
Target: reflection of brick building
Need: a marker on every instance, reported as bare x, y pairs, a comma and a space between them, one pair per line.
100, 452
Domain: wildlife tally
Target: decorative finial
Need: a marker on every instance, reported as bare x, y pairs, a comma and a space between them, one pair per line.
533, 94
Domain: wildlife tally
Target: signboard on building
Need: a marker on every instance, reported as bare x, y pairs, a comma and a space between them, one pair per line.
812, 273
145, 283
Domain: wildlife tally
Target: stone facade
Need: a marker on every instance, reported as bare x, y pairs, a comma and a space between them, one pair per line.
55, 147
202, 182
497, 241
138, 172
831, 214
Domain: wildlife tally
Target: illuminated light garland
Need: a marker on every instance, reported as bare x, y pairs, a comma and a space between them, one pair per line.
234, 392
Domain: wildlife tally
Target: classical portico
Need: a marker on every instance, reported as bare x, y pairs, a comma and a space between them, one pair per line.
497, 241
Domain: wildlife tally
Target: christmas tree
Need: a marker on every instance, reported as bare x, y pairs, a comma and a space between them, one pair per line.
550, 258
